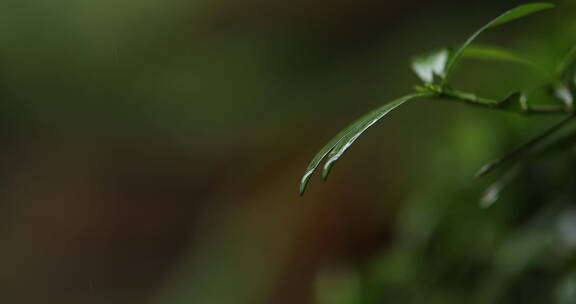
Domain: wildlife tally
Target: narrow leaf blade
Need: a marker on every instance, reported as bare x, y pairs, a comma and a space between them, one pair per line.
319, 157
494, 192
484, 52
361, 126
523, 149
519, 12
513, 14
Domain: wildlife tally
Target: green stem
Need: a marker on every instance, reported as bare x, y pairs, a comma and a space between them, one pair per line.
475, 100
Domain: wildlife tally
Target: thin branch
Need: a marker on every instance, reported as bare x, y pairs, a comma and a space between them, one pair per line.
519, 151
474, 100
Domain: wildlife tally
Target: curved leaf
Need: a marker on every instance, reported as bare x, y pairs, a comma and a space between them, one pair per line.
523, 149
495, 53
341, 142
361, 126
567, 62
519, 12
431, 65
508, 16
320, 156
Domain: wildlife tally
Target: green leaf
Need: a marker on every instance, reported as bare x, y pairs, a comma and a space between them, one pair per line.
495, 53
341, 142
565, 143
525, 148
361, 126
494, 192
519, 12
320, 156
431, 65
508, 16
567, 64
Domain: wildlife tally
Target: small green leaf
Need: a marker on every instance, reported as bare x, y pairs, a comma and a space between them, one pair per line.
341, 142
431, 65
361, 126
508, 16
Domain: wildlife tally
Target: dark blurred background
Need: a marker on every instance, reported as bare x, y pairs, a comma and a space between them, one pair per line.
152, 151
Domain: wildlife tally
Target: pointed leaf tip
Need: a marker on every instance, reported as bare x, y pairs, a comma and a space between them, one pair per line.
304, 183
484, 170
315, 162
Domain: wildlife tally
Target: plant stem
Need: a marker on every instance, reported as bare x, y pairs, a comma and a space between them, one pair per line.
475, 100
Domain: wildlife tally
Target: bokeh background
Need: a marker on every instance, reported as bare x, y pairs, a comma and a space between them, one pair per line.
151, 153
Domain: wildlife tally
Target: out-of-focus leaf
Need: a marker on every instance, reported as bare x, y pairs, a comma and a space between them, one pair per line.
339, 144
566, 290
493, 193
519, 12
563, 143
430, 66
524, 148
567, 64
563, 93
508, 16
495, 53
552, 95
566, 70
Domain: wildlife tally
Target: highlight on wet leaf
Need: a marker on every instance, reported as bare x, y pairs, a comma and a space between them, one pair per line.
361, 126
339, 144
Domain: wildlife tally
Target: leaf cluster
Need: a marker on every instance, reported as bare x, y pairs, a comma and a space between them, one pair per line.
436, 70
